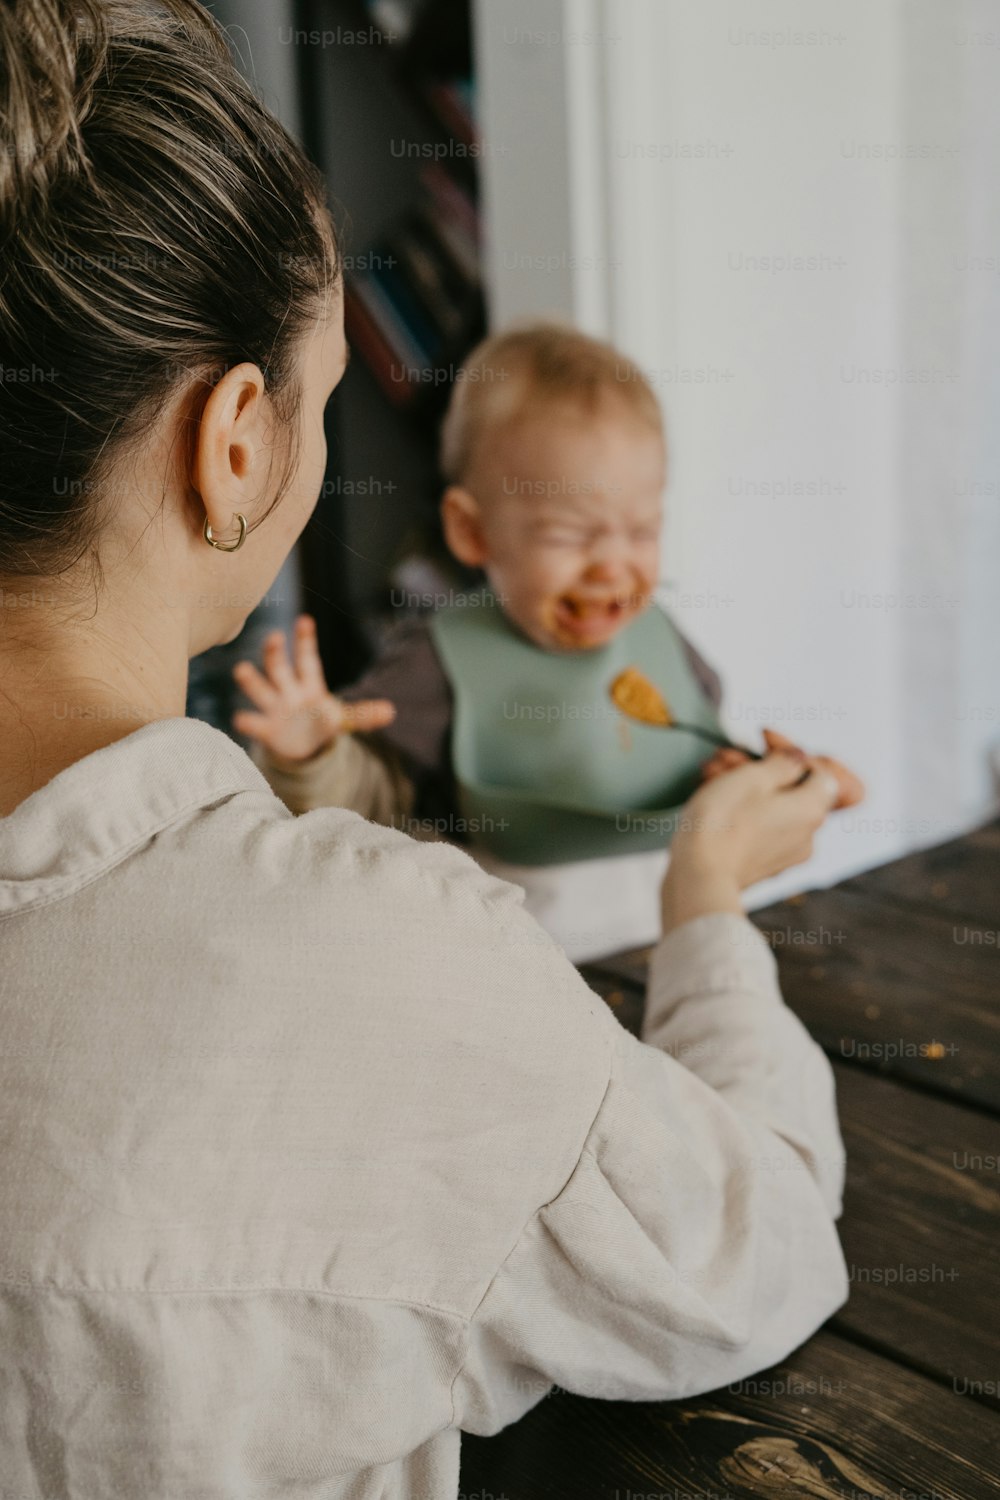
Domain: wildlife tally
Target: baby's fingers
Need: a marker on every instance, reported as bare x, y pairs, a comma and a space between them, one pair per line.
276, 663
254, 726
305, 648
255, 685
816, 794
775, 741
852, 788
722, 761
366, 715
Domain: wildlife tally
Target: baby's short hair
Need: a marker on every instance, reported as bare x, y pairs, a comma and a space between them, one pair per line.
532, 364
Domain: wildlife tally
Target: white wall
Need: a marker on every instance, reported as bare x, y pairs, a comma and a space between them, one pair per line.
861, 612
951, 433
542, 173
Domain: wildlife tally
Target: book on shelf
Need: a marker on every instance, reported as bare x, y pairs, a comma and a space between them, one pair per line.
416, 305
408, 363
441, 288
450, 101
365, 334
453, 204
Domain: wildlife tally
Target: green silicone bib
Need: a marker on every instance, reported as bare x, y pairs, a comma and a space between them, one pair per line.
548, 770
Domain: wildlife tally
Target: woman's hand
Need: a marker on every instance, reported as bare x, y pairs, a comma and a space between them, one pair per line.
852, 790
297, 715
740, 828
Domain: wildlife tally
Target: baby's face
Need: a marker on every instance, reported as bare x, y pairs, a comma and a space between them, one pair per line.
572, 509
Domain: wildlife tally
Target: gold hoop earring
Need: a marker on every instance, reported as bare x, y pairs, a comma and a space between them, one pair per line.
227, 546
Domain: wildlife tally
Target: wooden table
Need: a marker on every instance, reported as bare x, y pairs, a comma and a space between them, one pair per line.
897, 975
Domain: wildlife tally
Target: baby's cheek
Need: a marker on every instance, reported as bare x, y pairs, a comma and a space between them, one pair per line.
546, 569
538, 592
649, 572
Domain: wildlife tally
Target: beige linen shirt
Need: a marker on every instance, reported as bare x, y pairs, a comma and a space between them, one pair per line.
591, 907
315, 1150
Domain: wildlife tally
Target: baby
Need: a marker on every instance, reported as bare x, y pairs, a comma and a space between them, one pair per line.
491, 721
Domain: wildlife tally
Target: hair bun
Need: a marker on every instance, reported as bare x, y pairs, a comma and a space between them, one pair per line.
51, 51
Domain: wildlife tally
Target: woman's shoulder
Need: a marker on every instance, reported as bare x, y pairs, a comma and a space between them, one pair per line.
332, 878
409, 952
332, 849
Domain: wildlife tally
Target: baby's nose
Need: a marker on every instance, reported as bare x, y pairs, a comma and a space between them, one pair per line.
608, 557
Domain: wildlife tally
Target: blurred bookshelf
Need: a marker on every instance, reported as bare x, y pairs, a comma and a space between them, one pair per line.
389, 114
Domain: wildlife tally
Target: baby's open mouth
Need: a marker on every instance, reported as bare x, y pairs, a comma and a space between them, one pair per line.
585, 616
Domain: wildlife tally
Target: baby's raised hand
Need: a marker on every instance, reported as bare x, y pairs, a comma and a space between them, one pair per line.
852, 789
295, 713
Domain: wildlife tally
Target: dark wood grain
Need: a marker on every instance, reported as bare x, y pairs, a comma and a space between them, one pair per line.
921, 1231
900, 992
921, 1225
627, 1000
877, 984
897, 974
835, 1422
630, 967
959, 879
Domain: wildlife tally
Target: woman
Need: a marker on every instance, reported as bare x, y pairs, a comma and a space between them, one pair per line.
314, 1149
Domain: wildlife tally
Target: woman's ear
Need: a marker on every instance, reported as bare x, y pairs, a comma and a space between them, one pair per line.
463, 526
232, 455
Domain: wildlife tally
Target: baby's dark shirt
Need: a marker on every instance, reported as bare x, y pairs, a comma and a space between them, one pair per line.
410, 674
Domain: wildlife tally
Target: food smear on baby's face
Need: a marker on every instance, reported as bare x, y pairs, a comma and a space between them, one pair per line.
640, 699
572, 510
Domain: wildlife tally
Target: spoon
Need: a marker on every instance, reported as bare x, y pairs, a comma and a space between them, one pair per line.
639, 699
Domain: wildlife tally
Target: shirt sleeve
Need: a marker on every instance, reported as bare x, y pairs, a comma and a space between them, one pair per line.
693, 1242
349, 773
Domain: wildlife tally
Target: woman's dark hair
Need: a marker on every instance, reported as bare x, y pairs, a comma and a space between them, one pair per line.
157, 226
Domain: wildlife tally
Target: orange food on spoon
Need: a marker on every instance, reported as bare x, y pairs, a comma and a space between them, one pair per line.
637, 697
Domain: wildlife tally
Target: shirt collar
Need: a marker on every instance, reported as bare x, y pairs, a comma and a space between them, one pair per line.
90, 816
